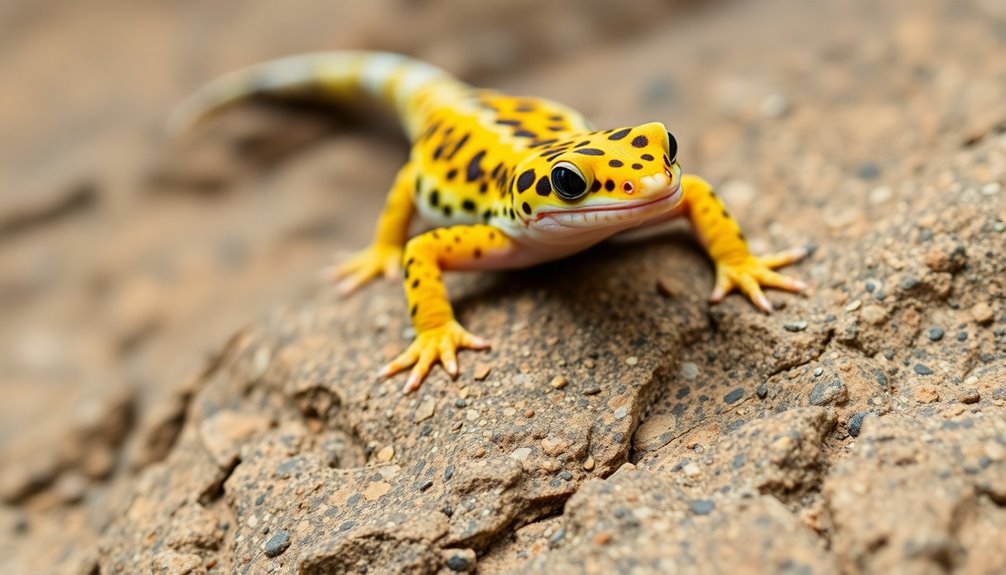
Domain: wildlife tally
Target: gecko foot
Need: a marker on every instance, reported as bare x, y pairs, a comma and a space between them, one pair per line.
378, 259
754, 272
437, 344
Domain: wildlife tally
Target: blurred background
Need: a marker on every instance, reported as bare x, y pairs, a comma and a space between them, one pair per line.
127, 260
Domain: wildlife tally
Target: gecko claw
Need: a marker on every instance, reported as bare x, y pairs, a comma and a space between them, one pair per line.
753, 273
439, 344
361, 268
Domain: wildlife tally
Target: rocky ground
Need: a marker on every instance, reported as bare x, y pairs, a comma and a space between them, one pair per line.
182, 395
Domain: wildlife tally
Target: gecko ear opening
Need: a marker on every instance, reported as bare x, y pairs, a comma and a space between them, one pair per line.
568, 181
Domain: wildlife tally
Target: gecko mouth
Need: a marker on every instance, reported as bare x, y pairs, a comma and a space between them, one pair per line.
622, 212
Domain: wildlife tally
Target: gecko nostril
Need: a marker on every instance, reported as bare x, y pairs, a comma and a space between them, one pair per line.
628, 187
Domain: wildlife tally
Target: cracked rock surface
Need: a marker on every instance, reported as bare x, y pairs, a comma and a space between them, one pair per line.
619, 424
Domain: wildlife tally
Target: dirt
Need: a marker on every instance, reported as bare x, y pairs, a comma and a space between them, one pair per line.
182, 394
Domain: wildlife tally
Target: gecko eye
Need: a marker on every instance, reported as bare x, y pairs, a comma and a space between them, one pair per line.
672, 147
568, 181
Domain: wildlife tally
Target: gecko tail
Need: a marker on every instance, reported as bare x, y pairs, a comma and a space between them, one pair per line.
339, 76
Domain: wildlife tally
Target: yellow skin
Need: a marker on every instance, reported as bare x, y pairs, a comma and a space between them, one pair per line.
509, 183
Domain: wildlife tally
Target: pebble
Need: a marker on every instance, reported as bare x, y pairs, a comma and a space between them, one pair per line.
926, 394
991, 188
482, 371
277, 544
632, 360
775, 105
460, 403
982, 313
880, 195
457, 563
602, 538
867, 171
425, 410
856, 423
689, 370
588, 465
853, 306
818, 371
962, 336
588, 363
701, 506
922, 369
762, 391
386, 453
968, 395
558, 382
621, 412
529, 413
999, 227
426, 485
592, 391
521, 453
873, 314
935, 333
734, 396
795, 326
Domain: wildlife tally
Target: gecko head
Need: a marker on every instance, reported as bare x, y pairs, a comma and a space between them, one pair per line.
598, 181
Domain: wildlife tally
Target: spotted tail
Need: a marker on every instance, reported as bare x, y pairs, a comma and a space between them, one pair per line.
408, 85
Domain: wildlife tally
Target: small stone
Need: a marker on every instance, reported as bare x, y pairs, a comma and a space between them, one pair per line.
831, 392
588, 465
926, 394
592, 391
935, 333
701, 506
458, 563
734, 396
867, 171
922, 369
482, 371
856, 423
621, 412
818, 371
632, 360
691, 470
521, 453
909, 283
669, 287
982, 313
602, 538
762, 391
386, 453
853, 306
558, 382
968, 395
873, 314
880, 195
277, 544
425, 410
991, 188
962, 336
460, 403
999, 227
471, 414
775, 106
529, 413
795, 326
689, 370
566, 475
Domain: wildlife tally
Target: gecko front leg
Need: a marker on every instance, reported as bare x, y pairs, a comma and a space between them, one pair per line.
438, 334
736, 266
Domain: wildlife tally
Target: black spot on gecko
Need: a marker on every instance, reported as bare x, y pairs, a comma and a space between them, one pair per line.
543, 187
525, 134
468, 205
609, 185
595, 186
457, 146
556, 128
646, 157
556, 117
448, 211
474, 170
640, 142
451, 174
496, 171
590, 152
620, 134
637, 166
508, 122
525, 180
526, 208
415, 283
415, 308
582, 144
616, 163
487, 215
435, 198
483, 187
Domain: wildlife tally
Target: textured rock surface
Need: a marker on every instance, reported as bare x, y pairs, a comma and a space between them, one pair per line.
619, 424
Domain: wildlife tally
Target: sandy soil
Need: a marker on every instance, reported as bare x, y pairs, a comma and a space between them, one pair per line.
183, 395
